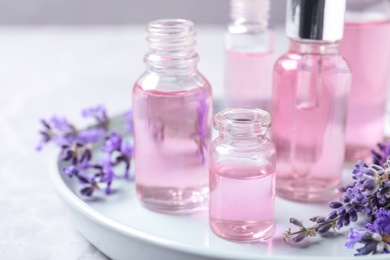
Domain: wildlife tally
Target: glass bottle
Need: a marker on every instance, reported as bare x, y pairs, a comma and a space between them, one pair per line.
249, 55
309, 106
242, 179
172, 110
366, 47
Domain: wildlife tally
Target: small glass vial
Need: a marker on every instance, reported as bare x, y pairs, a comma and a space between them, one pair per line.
366, 47
242, 179
249, 55
309, 106
172, 111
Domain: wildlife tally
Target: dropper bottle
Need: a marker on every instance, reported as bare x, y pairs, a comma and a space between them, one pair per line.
249, 55
310, 93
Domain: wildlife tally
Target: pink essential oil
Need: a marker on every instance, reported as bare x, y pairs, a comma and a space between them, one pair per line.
366, 47
309, 106
172, 110
249, 55
242, 179
248, 79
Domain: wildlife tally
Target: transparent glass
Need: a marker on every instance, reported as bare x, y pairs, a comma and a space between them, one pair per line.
172, 110
242, 179
249, 55
366, 47
309, 107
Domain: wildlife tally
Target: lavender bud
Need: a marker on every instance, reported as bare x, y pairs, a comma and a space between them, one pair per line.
296, 222
335, 204
331, 216
314, 219
324, 229
341, 211
299, 238
87, 191
367, 249
346, 220
349, 208
353, 216
320, 220
339, 223
345, 199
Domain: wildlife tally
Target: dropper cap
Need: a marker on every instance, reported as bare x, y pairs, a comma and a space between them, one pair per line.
318, 20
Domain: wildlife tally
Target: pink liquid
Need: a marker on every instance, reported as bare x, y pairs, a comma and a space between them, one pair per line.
309, 113
366, 47
241, 202
248, 79
172, 134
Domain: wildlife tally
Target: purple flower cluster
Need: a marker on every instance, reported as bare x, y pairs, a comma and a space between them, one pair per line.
375, 236
76, 149
369, 196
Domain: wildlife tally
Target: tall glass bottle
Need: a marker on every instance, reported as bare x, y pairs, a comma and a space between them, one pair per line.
172, 110
366, 47
249, 55
309, 106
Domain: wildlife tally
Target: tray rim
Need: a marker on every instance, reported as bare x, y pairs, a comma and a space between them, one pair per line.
72, 200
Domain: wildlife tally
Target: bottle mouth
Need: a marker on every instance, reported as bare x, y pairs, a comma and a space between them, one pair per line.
241, 121
174, 28
171, 43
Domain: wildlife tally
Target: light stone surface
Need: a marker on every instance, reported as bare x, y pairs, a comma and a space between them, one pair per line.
60, 70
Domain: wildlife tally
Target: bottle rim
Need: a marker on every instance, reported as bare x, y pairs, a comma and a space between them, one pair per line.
243, 121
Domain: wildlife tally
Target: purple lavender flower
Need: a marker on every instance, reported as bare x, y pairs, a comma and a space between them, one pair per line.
380, 157
98, 113
381, 224
127, 149
127, 153
71, 170
61, 124
113, 143
87, 191
58, 130
373, 243
93, 135
129, 121
77, 149
360, 169
354, 237
108, 172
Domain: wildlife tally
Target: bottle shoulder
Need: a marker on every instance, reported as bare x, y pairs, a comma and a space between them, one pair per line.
150, 81
221, 145
292, 61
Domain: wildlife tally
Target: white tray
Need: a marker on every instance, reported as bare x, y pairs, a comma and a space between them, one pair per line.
122, 229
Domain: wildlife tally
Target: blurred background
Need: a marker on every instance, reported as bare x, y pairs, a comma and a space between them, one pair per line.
91, 12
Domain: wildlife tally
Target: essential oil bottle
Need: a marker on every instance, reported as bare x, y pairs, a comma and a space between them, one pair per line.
366, 47
172, 111
249, 55
242, 179
309, 106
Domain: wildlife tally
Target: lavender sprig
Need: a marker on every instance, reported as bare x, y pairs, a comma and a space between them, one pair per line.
76, 149
369, 196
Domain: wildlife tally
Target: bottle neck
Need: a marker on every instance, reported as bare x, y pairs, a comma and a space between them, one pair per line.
244, 124
314, 47
245, 137
249, 16
171, 47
